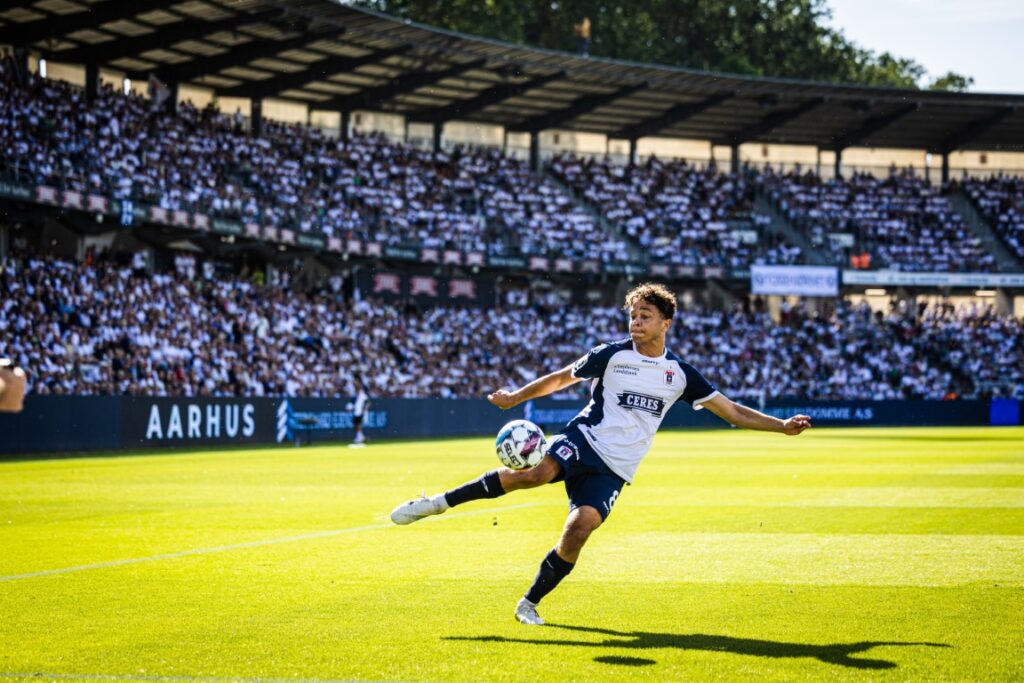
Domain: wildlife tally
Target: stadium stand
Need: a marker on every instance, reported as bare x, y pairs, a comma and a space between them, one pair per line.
480, 200
177, 334
679, 213
901, 221
290, 176
1001, 201
475, 200
102, 328
519, 202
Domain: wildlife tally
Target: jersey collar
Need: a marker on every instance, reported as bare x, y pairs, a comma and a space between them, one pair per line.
661, 357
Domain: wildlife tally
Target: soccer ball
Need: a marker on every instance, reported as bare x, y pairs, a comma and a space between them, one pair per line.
521, 444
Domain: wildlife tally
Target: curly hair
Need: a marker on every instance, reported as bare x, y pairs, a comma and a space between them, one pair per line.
656, 295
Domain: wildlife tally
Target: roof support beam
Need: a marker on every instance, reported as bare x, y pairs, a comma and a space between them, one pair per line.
486, 98
346, 125
256, 117
972, 130
317, 71
92, 81
404, 83
770, 123
672, 116
872, 126
57, 26
161, 38
579, 106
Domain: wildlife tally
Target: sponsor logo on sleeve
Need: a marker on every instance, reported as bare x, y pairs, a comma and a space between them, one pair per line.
565, 449
578, 365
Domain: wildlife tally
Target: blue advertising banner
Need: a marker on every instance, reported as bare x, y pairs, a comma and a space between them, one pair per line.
155, 422
75, 424
331, 419
1006, 412
886, 413
62, 424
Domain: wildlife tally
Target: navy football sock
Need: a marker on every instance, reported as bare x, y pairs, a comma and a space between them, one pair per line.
552, 570
487, 485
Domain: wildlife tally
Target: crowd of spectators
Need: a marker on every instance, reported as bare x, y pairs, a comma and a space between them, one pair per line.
514, 197
935, 353
678, 213
292, 176
479, 200
901, 221
106, 328
1001, 201
374, 189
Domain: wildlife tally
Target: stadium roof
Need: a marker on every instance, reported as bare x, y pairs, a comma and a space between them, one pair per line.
335, 57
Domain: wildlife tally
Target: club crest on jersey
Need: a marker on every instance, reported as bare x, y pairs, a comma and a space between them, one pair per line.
646, 404
565, 449
670, 378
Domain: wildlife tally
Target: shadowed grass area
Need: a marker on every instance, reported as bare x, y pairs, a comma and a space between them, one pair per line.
841, 654
835, 555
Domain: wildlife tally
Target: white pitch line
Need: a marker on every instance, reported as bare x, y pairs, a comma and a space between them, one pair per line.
242, 546
44, 675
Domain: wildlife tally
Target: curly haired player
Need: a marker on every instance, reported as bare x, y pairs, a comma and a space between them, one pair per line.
634, 383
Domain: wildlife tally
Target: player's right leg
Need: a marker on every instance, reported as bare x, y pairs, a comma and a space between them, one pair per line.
592, 489
558, 563
488, 485
358, 424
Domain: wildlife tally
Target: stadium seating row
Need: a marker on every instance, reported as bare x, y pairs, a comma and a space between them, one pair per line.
901, 222
1001, 200
105, 329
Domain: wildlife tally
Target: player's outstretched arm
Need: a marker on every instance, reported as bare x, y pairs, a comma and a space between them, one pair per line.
542, 386
748, 418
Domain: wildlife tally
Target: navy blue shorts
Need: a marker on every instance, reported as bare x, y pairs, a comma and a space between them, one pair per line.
588, 480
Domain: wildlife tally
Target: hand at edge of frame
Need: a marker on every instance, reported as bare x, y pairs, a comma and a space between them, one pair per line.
796, 425
12, 387
503, 399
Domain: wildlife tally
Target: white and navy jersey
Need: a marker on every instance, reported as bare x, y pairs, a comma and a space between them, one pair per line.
359, 405
630, 396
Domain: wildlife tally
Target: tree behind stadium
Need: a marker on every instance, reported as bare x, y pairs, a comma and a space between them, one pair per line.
780, 38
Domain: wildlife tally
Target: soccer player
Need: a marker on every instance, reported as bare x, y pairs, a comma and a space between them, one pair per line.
634, 382
359, 409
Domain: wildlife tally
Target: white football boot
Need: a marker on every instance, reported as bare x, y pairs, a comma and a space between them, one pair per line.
415, 510
526, 613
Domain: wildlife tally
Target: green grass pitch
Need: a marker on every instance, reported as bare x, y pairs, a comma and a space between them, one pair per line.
885, 554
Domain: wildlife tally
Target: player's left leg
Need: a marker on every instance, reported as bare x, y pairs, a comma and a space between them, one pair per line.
491, 484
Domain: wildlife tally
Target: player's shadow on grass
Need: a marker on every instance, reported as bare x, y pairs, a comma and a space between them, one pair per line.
840, 654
